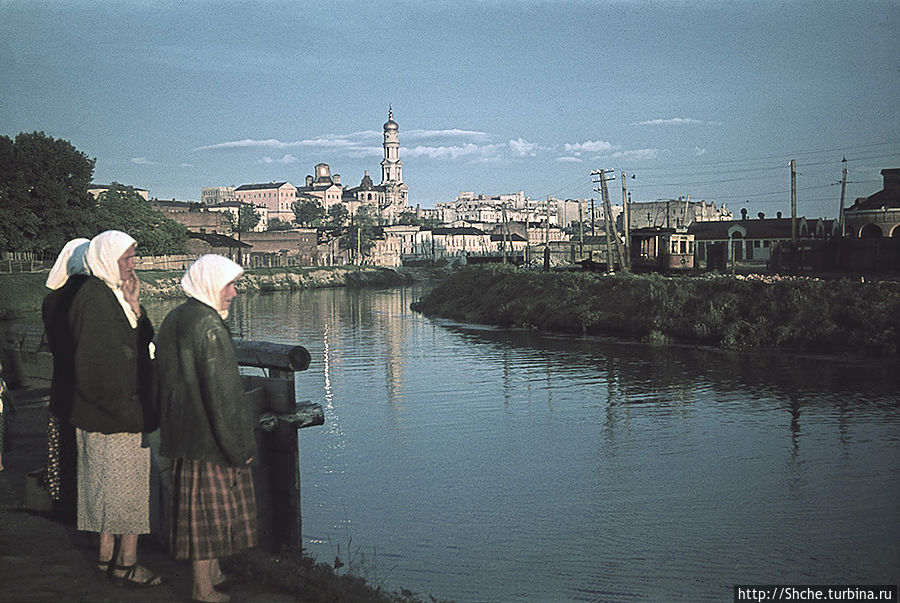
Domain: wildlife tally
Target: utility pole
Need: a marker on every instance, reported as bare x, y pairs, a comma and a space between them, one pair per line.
793, 165
613, 245
505, 232
625, 220
580, 232
843, 190
592, 215
547, 239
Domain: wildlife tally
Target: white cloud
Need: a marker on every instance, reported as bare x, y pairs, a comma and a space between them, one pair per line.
142, 161
675, 121
448, 133
451, 152
569, 159
637, 154
523, 148
287, 159
588, 146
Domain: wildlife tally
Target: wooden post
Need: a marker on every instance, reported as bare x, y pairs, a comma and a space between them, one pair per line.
277, 476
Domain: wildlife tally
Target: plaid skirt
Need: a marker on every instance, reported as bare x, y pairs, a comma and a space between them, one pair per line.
214, 510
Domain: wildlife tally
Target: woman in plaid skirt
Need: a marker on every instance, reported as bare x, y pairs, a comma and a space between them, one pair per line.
206, 426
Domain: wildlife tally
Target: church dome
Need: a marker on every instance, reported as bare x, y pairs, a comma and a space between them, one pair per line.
390, 124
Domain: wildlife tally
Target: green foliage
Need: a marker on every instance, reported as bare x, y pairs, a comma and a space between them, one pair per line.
409, 218
363, 229
309, 213
799, 314
43, 193
338, 215
276, 224
246, 219
122, 208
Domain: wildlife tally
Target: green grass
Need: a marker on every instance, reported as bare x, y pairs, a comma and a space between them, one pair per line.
21, 295
800, 314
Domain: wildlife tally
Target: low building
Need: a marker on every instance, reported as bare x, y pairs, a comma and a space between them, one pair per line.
200, 243
719, 243
877, 215
98, 189
295, 247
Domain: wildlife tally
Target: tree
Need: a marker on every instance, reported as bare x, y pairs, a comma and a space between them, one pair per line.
409, 218
245, 220
123, 208
309, 213
363, 228
44, 199
338, 214
277, 224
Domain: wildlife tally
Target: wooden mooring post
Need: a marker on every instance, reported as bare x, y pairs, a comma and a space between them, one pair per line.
276, 475
276, 470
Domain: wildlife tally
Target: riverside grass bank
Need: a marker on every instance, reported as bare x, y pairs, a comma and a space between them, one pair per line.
753, 311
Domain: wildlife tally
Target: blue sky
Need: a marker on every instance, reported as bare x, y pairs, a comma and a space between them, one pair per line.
700, 98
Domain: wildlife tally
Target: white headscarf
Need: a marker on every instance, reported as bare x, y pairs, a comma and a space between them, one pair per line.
205, 279
71, 260
103, 260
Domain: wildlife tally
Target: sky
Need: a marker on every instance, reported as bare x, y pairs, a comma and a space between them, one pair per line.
699, 98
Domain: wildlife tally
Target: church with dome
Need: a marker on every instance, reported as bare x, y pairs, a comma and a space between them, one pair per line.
389, 198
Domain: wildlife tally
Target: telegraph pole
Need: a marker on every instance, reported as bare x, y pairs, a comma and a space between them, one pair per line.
547, 239
626, 224
613, 245
793, 165
843, 190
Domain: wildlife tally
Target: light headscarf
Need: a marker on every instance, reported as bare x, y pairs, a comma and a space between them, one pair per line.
71, 260
205, 279
103, 260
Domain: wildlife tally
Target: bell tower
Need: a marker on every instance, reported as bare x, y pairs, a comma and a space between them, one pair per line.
391, 166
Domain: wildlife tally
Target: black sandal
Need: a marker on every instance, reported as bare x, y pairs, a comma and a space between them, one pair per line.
104, 568
127, 579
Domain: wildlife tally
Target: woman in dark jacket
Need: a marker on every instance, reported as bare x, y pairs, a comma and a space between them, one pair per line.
68, 274
206, 426
111, 393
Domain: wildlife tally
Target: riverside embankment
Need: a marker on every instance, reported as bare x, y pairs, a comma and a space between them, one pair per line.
52, 561
738, 312
21, 294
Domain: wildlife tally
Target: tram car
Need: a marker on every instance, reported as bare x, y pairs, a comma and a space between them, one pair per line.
661, 250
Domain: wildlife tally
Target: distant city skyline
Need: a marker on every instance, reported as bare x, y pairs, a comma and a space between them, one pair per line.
693, 97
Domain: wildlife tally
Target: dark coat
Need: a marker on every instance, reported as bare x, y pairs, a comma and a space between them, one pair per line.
55, 313
113, 374
203, 412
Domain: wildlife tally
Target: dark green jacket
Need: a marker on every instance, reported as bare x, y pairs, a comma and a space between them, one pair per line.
203, 412
113, 373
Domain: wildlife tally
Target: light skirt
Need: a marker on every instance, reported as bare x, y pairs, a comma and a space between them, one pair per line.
113, 483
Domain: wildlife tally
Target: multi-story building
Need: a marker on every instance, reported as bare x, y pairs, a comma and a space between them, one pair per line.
213, 195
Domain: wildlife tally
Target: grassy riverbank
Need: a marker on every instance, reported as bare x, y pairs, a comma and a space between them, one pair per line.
22, 294
802, 314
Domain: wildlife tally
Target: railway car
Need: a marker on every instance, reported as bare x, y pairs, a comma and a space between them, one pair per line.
661, 250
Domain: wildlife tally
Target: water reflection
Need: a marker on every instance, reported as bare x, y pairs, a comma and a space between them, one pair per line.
492, 464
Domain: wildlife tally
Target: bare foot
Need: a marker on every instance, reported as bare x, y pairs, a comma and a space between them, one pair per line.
137, 575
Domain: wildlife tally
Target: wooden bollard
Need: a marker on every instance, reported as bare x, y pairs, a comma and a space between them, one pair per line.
277, 474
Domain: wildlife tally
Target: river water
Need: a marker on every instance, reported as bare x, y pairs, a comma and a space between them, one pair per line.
480, 464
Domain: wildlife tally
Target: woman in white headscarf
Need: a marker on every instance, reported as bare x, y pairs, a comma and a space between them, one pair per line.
206, 426
68, 274
111, 406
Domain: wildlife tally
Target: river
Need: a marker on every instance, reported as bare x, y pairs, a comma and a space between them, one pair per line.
481, 464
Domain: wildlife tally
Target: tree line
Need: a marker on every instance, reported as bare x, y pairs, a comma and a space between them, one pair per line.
44, 202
